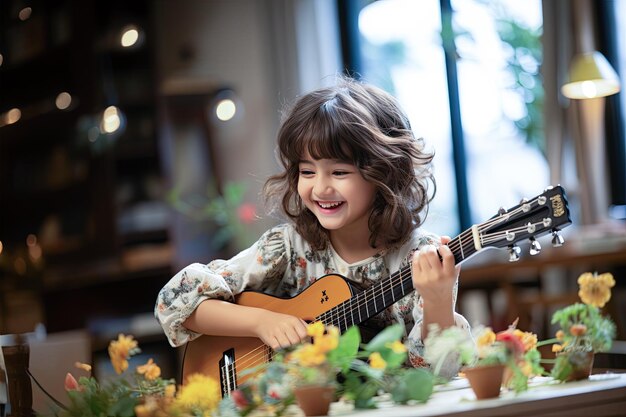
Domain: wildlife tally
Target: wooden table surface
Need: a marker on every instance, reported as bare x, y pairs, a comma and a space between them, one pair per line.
603, 395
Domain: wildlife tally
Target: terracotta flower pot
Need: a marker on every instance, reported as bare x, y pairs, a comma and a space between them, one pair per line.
485, 380
315, 400
582, 364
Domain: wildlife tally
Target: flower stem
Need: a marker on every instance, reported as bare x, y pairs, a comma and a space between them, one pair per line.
548, 342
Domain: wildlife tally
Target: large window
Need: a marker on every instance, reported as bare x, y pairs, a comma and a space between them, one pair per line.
481, 111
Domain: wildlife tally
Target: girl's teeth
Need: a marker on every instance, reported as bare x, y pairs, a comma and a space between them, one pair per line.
328, 205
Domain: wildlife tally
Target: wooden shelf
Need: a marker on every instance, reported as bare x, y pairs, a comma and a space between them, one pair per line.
66, 190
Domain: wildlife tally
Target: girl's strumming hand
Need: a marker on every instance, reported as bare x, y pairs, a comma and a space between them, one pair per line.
279, 330
435, 273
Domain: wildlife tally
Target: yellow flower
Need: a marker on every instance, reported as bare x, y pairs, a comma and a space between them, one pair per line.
315, 329
396, 346
528, 339
120, 351
595, 289
83, 366
377, 361
557, 348
200, 392
150, 370
560, 334
170, 390
309, 355
327, 342
486, 338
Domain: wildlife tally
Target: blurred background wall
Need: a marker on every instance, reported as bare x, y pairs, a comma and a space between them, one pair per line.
135, 138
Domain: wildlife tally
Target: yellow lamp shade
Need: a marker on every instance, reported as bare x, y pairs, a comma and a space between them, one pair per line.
591, 76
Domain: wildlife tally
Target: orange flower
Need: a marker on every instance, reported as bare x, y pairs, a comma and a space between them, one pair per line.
529, 340
120, 351
150, 370
83, 366
557, 348
578, 329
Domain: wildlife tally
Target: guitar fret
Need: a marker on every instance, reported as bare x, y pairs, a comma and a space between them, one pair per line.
351, 313
359, 309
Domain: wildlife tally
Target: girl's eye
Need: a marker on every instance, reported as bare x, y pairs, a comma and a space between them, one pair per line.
306, 172
340, 173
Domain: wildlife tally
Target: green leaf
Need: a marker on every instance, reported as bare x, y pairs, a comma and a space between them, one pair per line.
233, 193
394, 360
389, 335
346, 350
123, 407
414, 384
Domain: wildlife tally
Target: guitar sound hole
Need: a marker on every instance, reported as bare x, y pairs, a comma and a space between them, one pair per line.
228, 376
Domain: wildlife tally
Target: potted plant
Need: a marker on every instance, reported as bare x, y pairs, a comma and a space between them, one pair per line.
582, 329
314, 373
141, 393
486, 357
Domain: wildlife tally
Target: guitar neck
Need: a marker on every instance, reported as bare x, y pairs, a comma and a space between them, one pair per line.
527, 220
383, 294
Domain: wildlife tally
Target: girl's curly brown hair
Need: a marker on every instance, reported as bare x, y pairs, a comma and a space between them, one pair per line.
356, 122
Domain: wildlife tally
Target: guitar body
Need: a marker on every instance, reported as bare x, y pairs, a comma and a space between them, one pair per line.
208, 355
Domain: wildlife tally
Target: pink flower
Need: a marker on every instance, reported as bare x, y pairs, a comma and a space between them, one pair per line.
512, 342
239, 398
70, 383
246, 213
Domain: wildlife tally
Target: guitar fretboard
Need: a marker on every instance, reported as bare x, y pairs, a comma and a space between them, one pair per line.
385, 293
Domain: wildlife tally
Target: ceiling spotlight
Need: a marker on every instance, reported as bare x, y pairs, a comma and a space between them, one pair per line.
131, 36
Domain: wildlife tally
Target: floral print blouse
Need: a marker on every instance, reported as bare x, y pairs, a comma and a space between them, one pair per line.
282, 263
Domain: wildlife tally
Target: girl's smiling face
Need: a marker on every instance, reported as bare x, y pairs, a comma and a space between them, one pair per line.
336, 193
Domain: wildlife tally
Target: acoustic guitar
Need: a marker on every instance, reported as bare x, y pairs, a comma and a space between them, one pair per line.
332, 300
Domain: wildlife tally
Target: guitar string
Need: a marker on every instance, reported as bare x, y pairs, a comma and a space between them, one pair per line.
261, 351
264, 350
459, 241
329, 315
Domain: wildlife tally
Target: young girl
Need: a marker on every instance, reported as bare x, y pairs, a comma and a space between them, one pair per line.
355, 187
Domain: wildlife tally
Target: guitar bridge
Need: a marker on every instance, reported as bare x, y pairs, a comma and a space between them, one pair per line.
228, 376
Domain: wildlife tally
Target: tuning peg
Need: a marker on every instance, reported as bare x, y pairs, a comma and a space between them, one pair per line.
557, 239
514, 252
535, 247
525, 205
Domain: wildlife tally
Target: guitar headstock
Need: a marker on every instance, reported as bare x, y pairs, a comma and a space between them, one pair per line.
545, 213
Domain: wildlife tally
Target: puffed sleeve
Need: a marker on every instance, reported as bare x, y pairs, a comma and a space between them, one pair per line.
259, 267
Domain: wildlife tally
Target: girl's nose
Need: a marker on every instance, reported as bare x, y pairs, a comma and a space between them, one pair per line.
322, 186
